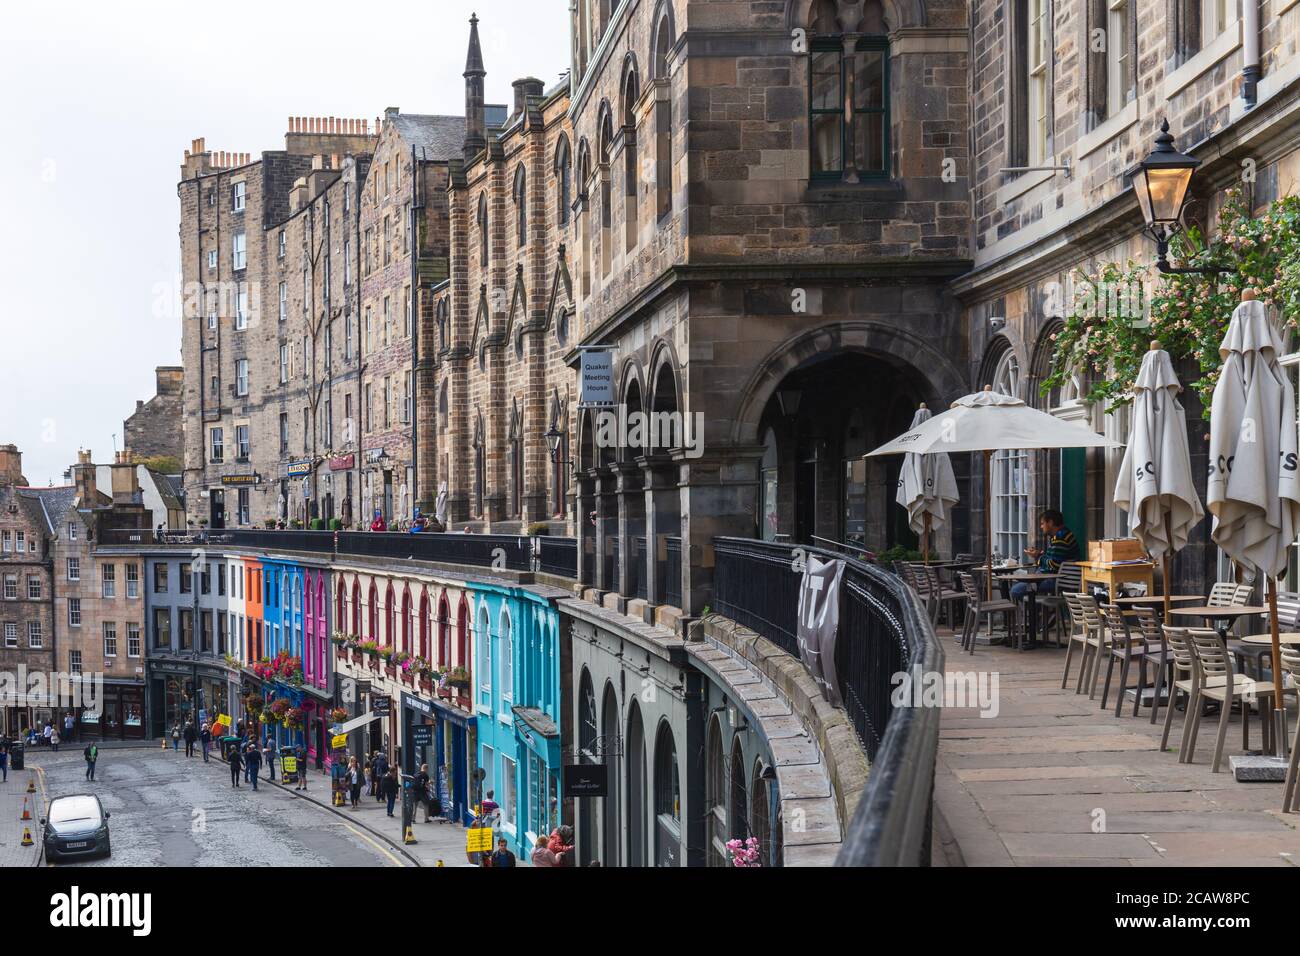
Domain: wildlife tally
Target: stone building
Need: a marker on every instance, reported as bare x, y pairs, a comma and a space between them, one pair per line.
155, 429
1060, 121
502, 328
26, 585
297, 386
98, 611
767, 264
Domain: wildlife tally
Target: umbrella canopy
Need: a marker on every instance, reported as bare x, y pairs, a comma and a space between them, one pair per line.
1252, 489
988, 421
926, 486
991, 421
1155, 480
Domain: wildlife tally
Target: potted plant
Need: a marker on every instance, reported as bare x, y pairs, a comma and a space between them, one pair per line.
458, 677
538, 528
338, 715
336, 524
269, 524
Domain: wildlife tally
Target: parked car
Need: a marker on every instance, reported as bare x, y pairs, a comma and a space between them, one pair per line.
77, 826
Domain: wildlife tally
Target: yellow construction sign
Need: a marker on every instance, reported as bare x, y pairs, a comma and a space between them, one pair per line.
478, 840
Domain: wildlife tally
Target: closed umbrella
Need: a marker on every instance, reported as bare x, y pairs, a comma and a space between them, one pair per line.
1155, 480
440, 506
989, 421
926, 488
1252, 490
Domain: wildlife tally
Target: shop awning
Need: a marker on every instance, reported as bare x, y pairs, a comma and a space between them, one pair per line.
539, 733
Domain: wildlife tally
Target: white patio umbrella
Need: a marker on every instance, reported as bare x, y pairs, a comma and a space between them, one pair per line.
1252, 490
1155, 480
926, 488
989, 421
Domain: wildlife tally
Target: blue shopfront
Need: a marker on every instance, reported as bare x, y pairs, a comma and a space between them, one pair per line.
282, 612
516, 685
447, 747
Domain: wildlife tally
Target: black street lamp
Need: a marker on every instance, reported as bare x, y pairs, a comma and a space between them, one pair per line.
553, 437
1161, 183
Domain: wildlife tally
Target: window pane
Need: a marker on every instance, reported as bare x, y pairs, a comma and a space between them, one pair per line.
826, 143
826, 80
869, 85
869, 142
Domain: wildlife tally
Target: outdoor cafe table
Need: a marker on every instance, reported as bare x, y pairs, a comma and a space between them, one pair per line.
1227, 612
1156, 601
1292, 638
1031, 611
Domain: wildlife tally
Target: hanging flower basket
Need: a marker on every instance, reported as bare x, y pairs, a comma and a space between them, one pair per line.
338, 715
253, 704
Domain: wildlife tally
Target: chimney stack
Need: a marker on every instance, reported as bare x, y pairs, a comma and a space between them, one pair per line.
527, 88
11, 466
84, 477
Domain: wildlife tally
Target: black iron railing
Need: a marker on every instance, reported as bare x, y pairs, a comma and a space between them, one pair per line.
673, 571
558, 556
495, 551
884, 632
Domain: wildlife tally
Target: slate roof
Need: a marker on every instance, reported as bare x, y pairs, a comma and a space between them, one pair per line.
51, 503
435, 137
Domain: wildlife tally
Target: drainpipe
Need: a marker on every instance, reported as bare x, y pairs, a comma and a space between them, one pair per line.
412, 241
1250, 50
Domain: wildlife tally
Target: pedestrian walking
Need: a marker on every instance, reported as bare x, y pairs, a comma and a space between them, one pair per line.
54, 740
69, 724
542, 855
301, 752
422, 794
176, 738
191, 736
4, 758
561, 845
47, 732
354, 776
253, 761
268, 752
502, 855
236, 765
378, 770
388, 787
91, 753
205, 739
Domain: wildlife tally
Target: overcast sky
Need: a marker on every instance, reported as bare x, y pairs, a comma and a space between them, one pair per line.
101, 101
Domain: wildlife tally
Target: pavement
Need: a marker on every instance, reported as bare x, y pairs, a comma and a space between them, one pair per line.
437, 843
1054, 780
13, 792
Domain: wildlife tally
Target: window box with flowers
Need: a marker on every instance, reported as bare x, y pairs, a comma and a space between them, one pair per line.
458, 677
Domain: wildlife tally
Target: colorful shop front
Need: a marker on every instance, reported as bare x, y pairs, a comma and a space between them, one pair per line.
280, 672
517, 702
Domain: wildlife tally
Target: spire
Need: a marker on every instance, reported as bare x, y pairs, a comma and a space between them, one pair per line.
475, 113
474, 61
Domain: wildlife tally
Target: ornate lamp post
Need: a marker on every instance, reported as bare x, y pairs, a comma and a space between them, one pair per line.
1161, 182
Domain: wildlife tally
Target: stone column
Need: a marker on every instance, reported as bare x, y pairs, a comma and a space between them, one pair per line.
719, 493
631, 522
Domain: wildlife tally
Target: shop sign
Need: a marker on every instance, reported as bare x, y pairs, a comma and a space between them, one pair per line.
342, 462
380, 706
586, 780
597, 384
296, 469
415, 703
246, 479
374, 454
338, 741
422, 735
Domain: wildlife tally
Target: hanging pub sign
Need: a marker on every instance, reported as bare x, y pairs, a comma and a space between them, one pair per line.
380, 706
246, 479
342, 462
296, 469
586, 780
597, 387
375, 454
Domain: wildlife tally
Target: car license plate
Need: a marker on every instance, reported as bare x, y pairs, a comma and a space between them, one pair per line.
81, 845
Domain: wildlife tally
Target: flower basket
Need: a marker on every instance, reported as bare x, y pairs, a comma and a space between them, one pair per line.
338, 715
458, 677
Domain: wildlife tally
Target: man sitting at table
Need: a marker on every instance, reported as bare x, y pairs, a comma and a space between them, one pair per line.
1061, 547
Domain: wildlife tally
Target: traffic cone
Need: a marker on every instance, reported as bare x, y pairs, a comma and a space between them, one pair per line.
410, 835
27, 814
164, 742
31, 784
27, 836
